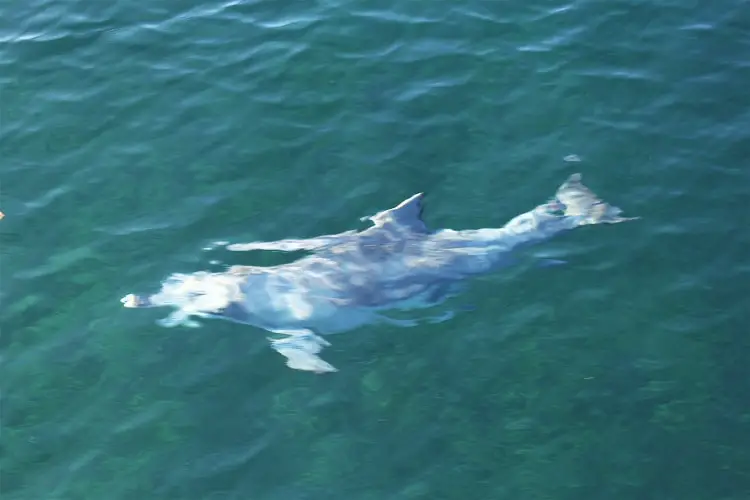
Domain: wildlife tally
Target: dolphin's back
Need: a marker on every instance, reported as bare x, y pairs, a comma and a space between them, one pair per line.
384, 266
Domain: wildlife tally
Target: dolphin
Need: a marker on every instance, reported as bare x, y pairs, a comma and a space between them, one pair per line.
353, 278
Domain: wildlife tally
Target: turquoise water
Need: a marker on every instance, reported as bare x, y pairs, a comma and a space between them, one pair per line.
134, 134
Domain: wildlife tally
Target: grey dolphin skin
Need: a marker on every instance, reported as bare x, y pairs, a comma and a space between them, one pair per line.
352, 278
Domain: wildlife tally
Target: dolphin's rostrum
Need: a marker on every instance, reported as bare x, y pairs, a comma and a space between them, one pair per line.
351, 278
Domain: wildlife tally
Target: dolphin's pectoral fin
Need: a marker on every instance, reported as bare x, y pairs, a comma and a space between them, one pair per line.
178, 318
300, 347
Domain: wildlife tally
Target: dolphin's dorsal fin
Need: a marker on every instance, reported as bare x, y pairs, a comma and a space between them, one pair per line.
408, 214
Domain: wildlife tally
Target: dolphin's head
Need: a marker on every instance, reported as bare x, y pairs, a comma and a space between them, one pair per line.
193, 293
132, 300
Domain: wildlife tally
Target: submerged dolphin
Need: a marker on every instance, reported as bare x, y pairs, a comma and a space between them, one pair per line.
352, 277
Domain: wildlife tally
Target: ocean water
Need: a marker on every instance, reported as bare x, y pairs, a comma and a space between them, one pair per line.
135, 134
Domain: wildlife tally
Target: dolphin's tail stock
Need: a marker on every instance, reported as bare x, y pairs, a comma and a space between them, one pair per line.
579, 201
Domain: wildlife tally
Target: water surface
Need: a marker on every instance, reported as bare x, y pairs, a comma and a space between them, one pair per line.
134, 134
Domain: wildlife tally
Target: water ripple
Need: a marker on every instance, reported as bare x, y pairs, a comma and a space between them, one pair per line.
134, 133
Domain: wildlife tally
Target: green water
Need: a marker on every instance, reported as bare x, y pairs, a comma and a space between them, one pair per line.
134, 134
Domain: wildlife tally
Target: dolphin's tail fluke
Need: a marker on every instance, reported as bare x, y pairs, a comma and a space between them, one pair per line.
579, 201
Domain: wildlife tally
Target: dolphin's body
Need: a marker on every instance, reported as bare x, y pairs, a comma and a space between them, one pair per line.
351, 278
